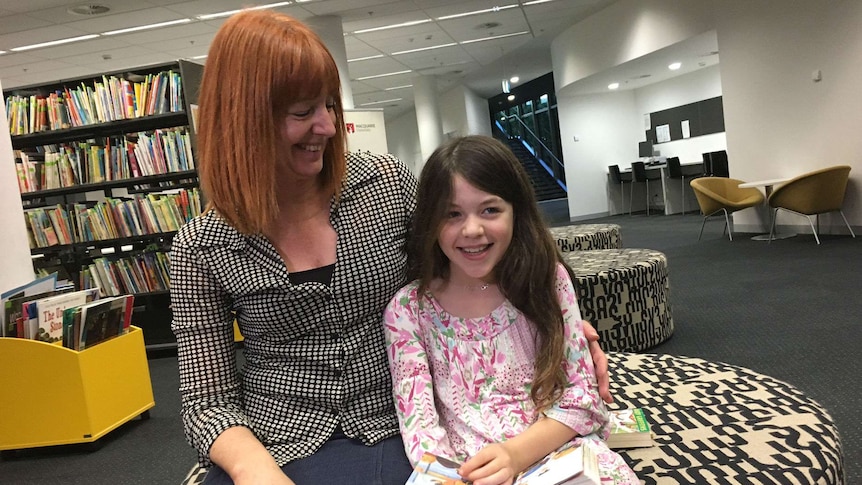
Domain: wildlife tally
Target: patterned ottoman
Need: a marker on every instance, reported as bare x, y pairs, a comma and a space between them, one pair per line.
716, 423
581, 237
625, 294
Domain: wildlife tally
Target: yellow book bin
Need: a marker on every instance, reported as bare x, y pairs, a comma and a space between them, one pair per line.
51, 395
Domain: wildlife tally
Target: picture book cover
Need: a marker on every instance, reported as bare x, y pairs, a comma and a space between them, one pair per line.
49, 313
568, 465
102, 320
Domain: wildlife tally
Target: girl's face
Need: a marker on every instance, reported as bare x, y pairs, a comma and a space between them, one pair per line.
476, 233
303, 134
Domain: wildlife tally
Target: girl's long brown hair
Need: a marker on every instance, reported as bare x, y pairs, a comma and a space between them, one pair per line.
259, 63
527, 273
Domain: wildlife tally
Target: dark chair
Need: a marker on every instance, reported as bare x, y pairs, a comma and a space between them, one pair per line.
812, 194
719, 164
707, 165
674, 171
619, 178
641, 174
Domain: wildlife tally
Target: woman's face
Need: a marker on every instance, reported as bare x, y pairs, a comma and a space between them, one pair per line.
304, 133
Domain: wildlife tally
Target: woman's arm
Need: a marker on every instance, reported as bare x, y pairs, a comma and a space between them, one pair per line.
411, 379
239, 453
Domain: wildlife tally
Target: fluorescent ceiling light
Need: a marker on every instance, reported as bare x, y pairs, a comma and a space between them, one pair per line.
381, 102
393, 26
494, 37
477, 12
2, 52
53, 42
536, 2
147, 27
383, 75
199, 57
398, 87
425, 48
228, 13
674, 66
378, 56
614, 86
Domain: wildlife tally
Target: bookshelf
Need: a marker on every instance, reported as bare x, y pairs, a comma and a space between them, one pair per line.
106, 169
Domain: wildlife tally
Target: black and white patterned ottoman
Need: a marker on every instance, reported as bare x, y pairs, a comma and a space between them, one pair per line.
581, 237
716, 423
625, 294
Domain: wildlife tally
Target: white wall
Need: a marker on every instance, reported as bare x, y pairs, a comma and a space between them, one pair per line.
780, 123
607, 128
402, 137
777, 121
462, 112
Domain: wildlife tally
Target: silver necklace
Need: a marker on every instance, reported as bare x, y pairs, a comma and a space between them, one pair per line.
478, 288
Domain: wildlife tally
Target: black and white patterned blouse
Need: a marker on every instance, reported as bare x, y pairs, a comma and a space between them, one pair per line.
315, 354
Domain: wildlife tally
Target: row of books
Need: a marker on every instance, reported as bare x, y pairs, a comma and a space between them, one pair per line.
110, 99
112, 218
112, 158
139, 273
74, 319
569, 465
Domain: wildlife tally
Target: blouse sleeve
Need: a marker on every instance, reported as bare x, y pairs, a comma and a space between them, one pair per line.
411, 379
203, 325
580, 407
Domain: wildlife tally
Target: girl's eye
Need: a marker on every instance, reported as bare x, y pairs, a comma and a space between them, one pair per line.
492, 210
453, 214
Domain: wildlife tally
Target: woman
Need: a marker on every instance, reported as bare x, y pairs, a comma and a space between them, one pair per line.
303, 246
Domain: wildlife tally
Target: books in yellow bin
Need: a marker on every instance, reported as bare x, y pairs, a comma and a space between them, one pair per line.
568, 465
629, 429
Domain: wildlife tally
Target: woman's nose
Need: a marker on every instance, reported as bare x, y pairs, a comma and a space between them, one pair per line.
324, 122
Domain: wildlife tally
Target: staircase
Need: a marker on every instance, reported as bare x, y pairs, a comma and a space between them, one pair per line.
545, 185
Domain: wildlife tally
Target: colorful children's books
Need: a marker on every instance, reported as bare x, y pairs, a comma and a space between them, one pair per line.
49, 313
569, 465
629, 429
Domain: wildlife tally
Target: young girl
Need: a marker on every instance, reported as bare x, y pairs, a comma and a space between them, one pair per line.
489, 361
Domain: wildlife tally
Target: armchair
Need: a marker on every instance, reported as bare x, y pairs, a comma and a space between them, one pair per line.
812, 194
722, 194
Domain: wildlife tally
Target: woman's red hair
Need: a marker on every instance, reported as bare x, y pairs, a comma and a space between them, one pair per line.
259, 63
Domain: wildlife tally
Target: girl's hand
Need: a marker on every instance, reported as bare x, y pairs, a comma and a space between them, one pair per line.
493, 465
600, 362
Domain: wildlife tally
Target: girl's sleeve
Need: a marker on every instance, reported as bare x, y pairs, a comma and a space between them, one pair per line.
580, 407
411, 379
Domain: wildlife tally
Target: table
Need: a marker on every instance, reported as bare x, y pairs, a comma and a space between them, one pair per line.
767, 189
670, 189
716, 423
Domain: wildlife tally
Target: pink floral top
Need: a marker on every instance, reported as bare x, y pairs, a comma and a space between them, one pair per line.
464, 383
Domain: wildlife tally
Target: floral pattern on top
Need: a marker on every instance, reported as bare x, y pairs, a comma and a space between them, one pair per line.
464, 383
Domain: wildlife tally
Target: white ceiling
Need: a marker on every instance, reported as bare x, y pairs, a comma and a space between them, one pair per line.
479, 65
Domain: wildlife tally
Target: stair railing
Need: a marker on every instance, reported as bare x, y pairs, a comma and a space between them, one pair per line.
557, 168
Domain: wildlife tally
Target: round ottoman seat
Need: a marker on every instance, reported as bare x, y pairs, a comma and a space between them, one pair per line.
716, 423
580, 237
625, 294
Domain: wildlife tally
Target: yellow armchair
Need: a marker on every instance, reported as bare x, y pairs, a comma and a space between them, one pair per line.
722, 194
812, 194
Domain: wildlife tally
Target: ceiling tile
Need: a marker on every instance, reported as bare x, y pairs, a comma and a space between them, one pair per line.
41, 34
184, 31
124, 21
17, 23
375, 66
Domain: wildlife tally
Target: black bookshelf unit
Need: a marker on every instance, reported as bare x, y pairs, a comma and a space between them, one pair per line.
41, 134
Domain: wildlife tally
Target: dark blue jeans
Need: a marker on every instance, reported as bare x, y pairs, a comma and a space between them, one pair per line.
342, 460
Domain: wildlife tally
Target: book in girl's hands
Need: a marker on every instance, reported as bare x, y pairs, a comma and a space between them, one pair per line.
629, 429
569, 465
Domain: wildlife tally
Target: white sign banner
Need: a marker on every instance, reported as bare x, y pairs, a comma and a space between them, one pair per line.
366, 131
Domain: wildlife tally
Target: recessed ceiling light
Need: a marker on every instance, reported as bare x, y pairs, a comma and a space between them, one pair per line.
674, 66
510, 97
614, 86
514, 79
88, 10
